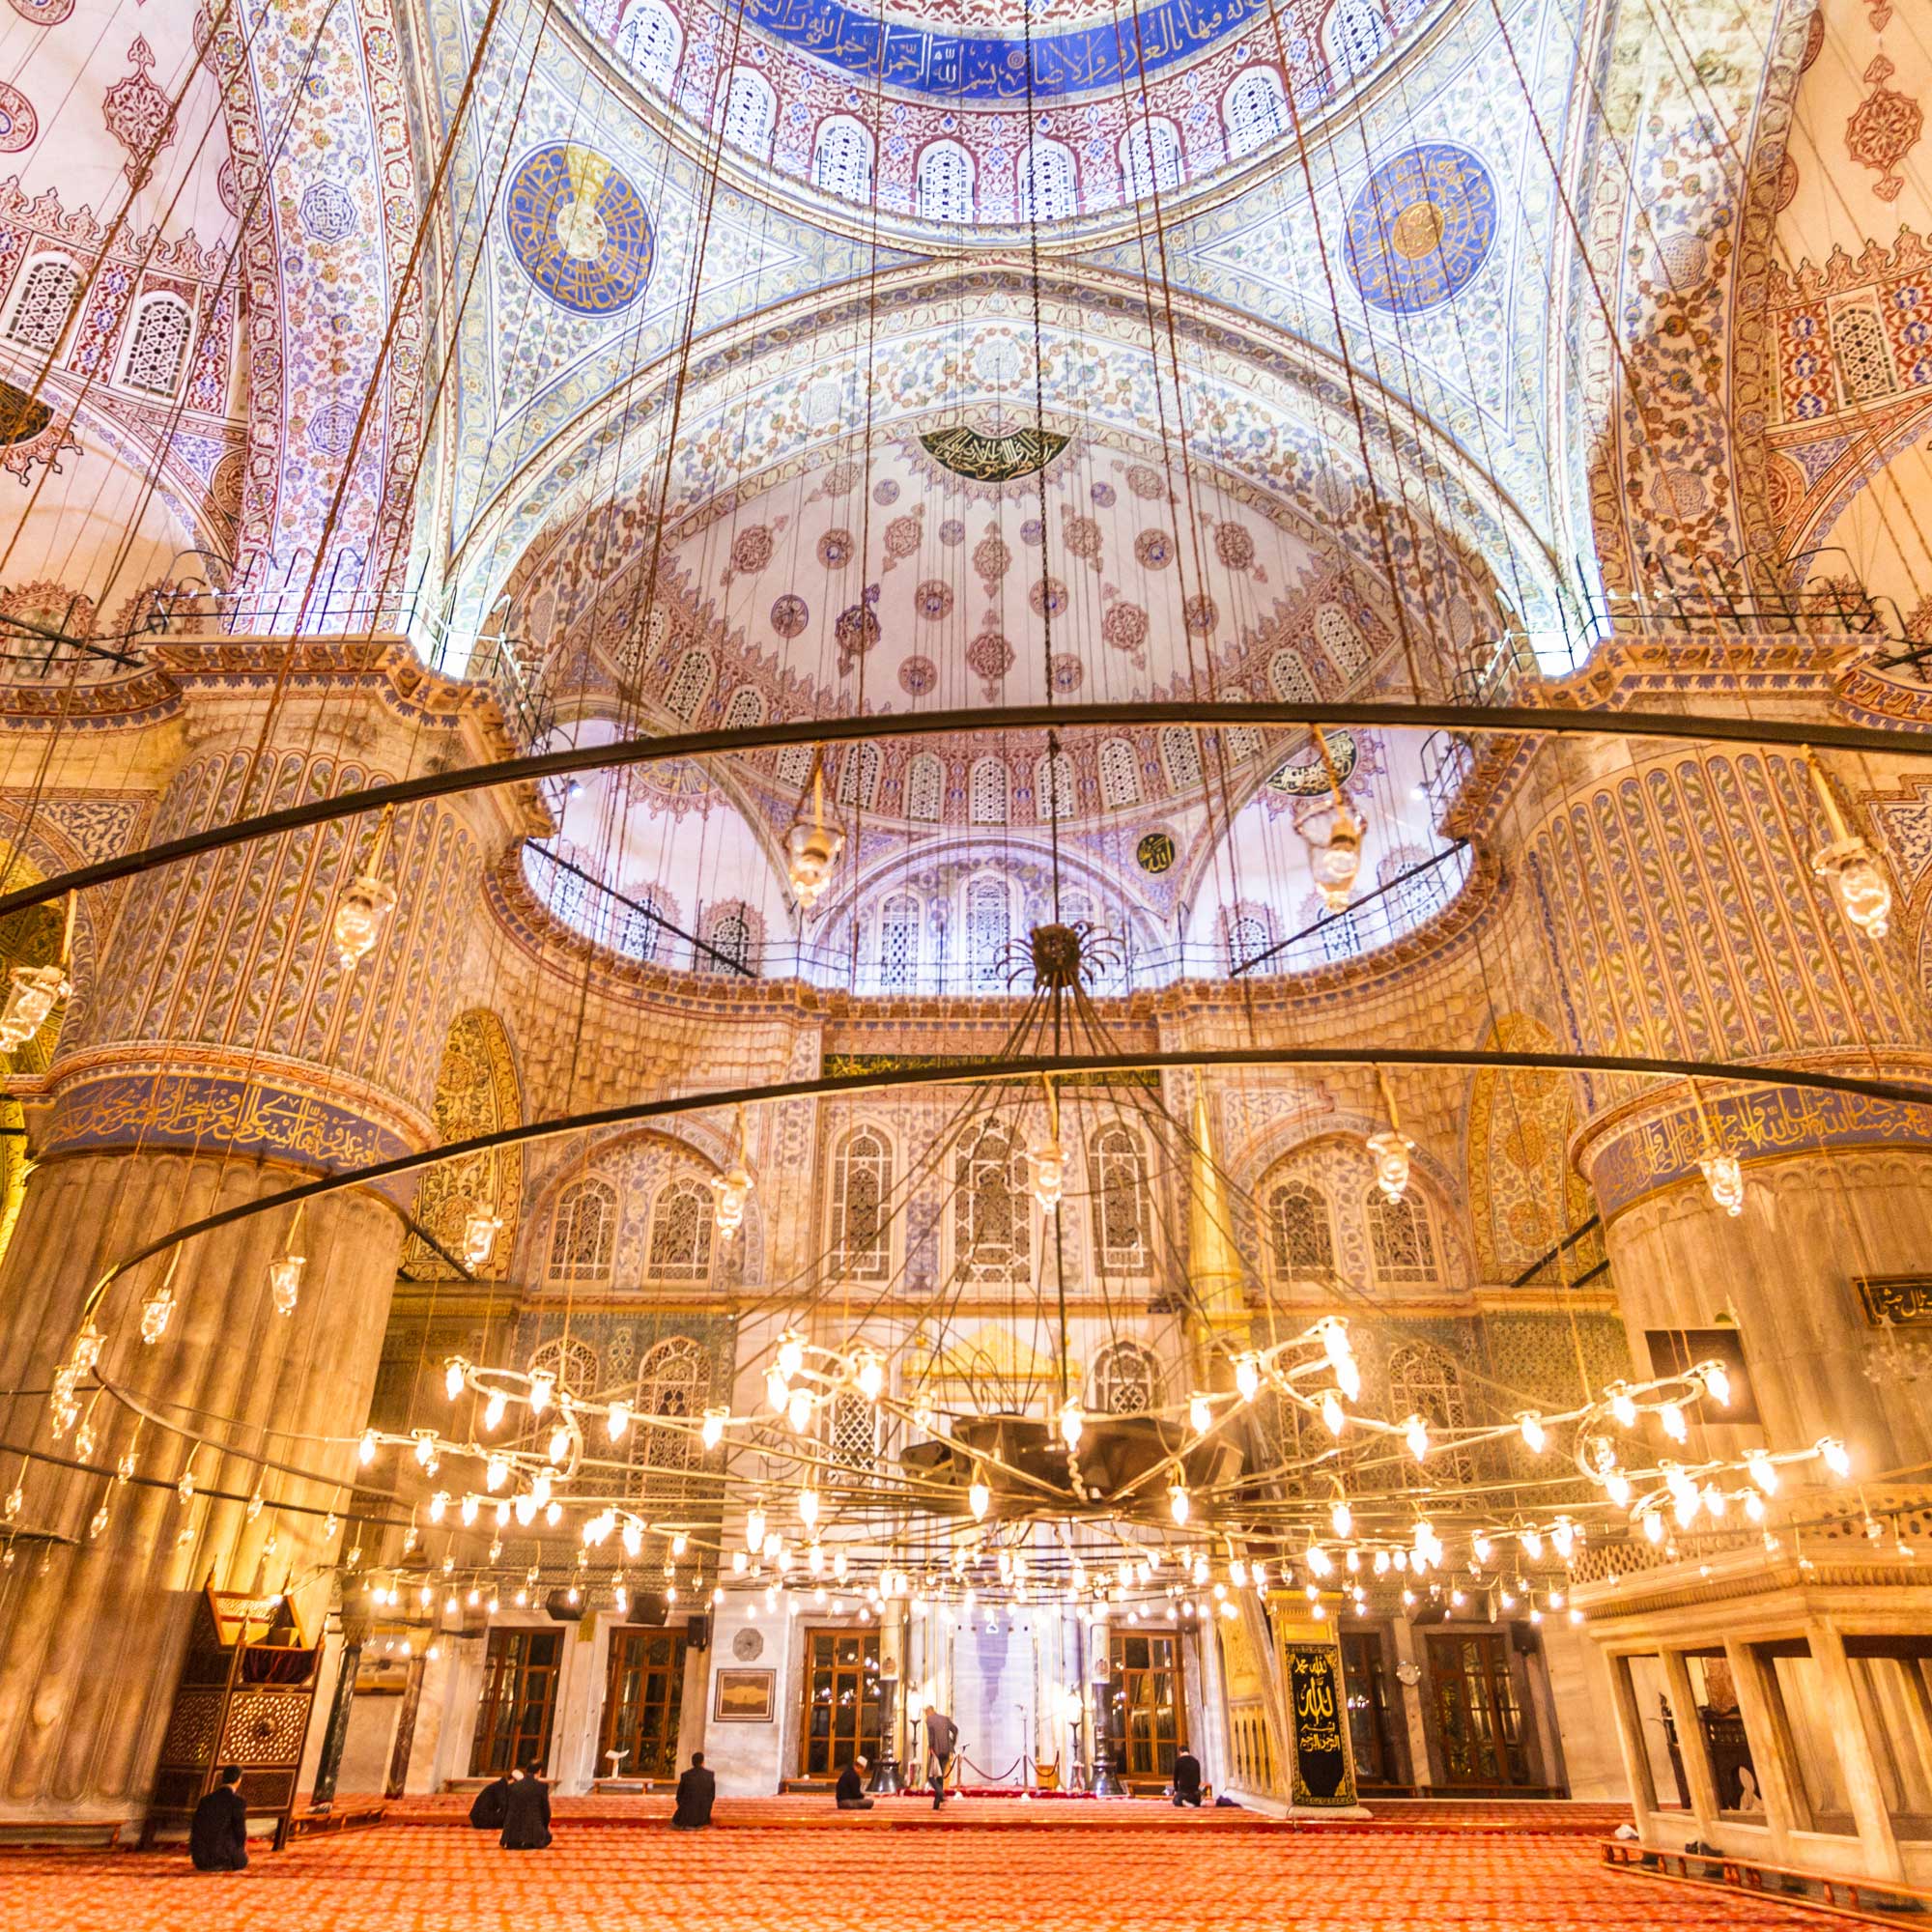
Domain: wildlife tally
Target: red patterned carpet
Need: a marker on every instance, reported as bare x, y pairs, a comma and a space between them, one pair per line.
1190, 1877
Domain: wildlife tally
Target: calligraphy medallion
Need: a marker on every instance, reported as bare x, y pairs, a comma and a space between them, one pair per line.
579, 229
1420, 228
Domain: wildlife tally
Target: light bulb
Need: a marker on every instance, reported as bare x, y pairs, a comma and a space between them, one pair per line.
1247, 1374
1623, 1405
1177, 1504
731, 1190
1532, 1544
365, 904
870, 1375
1618, 1486
495, 1473
425, 1447
1317, 1560
808, 1507
1073, 1422
1672, 1418
492, 1409
1332, 1413
712, 1430
1199, 1413
1714, 1501
839, 1566
1479, 1547
980, 1496
634, 1539
1763, 1472
365, 1450
1724, 1175
755, 1527
1342, 1516
1390, 1152
453, 1376
1717, 1382
798, 1410
155, 1313
35, 993
1533, 1432
777, 1390
543, 1385
285, 1282
480, 1229
1753, 1506
1858, 885
438, 1504
618, 1421
791, 1354
559, 1442
1417, 1431
471, 1506
1838, 1459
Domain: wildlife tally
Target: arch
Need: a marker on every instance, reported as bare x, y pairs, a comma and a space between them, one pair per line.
157, 346
1401, 1241
1424, 1381
1119, 773
943, 182
925, 786
1254, 110
992, 1220
1150, 158
861, 1185
673, 1386
746, 709
1248, 932
989, 931
650, 40
584, 1232
1053, 788
1181, 755
1356, 36
1126, 1379
750, 113
987, 801
1049, 182
50, 289
679, 1248
569, 1360
1301, 1231
1122, 1216
689, 684
842, 158
731, 928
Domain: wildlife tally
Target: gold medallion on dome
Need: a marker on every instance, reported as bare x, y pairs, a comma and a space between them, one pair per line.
579, 229
992, 459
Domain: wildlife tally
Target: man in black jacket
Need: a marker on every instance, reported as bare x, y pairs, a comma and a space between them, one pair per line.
849, 1795
696, 1792
527, 1812
217, 1837
492, 1805
1186, 1778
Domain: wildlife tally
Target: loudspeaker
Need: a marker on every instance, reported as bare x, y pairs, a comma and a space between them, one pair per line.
697, 1629
561, 1609
647, 1607
1525, 1640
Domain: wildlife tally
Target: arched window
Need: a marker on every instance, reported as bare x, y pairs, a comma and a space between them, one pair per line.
943, 187
852, 1432
842, 159
48, 292
1289, 677
1053, 788
898, 943
746, 710
650, 40
986, 794
728, 930
1356, 36
1243, 742
1150, 158
157, 346
1181, 753
858, 775
1256, 110
794, 765
584, 1232
992, 1226
989, 930
1422, 1381
1127, 1380
1122, 1217
1248, 938
1304, 1240
1049, 183
689, 684
569, 1364
1119, 773
925, 786
639, 930
861, 1185
1341, 640
674, 1385
1400, 1242
680, 1243
750, 113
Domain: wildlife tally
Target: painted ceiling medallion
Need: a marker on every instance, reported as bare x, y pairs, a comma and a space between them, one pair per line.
579, 229
1420, 228
992, 459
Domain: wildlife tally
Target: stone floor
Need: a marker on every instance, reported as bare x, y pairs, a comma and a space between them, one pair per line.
909, 1872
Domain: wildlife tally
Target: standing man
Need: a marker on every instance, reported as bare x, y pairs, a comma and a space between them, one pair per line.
527, 1812
217, 1835
942, 1740
696, 1792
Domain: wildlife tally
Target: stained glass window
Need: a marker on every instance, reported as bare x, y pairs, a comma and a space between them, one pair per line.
992, 1226
689, 685
650, 41
158, 346
750, 112
746, 709
1181, 753
680, 1243
584, 1232
1247, 939
1053, 788
925, 786
944, 185
1356, 36
1121, 1232
858, 775
987, 793
861, 1184
899, 943
1049, 182
729, 931
1304, 1242
842, 159
988, 931
1150, 158
1119, 773
1400, 1240
1256, 110
48, 291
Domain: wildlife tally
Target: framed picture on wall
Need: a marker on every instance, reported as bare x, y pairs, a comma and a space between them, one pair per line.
745, 1697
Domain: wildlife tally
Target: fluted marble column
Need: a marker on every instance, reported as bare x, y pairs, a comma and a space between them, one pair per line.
220, 1054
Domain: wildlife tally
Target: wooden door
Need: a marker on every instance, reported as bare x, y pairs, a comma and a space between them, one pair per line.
1145, 1707
1371, 1710
842, 1714
643, 1694
518, 1696
1478, 1723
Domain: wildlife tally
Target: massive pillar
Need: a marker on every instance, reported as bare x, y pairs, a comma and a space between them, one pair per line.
222, 1053
1681, 917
